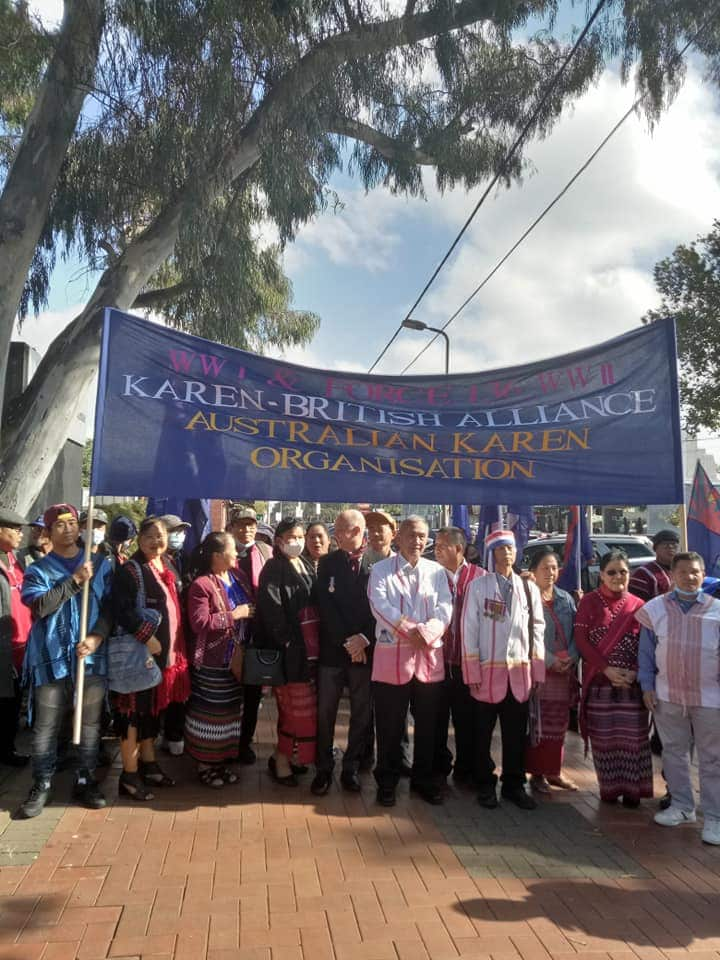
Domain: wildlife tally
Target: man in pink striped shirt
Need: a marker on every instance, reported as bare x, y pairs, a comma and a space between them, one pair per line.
411, 601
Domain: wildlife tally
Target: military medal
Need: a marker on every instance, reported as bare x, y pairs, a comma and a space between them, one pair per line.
331, 585
495, 609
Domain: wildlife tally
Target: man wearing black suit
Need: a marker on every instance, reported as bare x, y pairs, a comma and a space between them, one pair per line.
347, 630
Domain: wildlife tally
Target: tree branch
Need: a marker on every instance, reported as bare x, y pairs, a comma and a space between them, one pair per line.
390, 149
158, 298
320, 63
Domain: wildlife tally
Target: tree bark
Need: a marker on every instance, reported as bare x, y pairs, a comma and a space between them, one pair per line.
36, 426
31, 180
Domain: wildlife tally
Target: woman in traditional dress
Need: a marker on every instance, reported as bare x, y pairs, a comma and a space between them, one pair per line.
284, 591
543, 761
218, 608
138, 716
317, 543
612, 714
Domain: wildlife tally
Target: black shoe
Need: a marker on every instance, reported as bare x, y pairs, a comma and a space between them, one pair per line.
520, 797
88, 793
289, 781
665, 801
15, 759
386, 796
39, 796
487, 797
429, 792
405, 769
299, 769
321, 784
350, 782
246, 754
631, 803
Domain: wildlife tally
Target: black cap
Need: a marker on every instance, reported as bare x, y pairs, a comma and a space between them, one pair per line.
665, 536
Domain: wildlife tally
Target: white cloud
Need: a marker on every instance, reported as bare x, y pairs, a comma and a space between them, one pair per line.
40, 331
364, 231
585, 274
50, 12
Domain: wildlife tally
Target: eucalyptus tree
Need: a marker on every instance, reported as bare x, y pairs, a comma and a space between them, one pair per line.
689, 284
207, 118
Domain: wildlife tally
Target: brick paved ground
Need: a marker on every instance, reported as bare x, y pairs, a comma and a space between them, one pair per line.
261, 872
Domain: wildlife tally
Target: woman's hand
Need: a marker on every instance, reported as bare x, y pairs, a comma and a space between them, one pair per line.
617, 676
89, 645
154, 646
243, 611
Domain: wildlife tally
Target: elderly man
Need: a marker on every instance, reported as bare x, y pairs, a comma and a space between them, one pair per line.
503, 656
346, 633
450, 548
655, 578
52, 589
252, 556
679, 665
15, 624
38, 543
411, 601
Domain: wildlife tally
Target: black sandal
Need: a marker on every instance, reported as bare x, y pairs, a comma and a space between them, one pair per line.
131, 785
289, 781
211, 777
228, 775
152, 773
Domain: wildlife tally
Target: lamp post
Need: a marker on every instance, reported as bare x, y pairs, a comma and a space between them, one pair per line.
411, 324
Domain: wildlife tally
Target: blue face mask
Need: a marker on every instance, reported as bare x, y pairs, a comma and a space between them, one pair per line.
692, 595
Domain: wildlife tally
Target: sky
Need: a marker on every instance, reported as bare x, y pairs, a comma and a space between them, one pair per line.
583, 276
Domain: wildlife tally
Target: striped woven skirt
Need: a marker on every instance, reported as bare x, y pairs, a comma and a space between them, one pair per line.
617, 725
213, 717
297, 721
557, 695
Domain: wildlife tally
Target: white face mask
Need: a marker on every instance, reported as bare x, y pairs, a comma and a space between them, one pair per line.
98, 536
293, 549
176, 540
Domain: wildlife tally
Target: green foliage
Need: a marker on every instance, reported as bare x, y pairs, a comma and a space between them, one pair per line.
24, 49
179, 86
689, 282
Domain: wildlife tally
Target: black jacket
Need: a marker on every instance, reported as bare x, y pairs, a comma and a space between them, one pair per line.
282, 593
344, 607
125, 601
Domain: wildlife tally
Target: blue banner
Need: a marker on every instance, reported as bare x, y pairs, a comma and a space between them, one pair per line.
196, 419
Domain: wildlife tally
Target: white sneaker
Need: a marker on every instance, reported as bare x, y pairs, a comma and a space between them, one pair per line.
674, 816
711, 831
176, 747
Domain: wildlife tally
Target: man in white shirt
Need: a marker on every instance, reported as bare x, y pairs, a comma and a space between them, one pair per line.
411, 601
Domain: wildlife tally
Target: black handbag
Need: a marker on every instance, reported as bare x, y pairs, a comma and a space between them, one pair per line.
263, 668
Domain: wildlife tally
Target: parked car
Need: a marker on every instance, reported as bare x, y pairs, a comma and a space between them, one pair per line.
638, 548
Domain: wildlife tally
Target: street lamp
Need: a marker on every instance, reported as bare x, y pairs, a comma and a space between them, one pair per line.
411, 324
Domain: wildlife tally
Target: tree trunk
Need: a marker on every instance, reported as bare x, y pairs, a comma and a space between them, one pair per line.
26, 196
36, 425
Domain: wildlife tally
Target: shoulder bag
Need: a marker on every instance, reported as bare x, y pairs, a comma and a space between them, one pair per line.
131, 666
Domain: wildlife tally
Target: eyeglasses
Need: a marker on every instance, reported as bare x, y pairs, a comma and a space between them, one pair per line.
617, 573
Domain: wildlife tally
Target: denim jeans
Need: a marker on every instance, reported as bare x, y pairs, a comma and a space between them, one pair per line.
52, 701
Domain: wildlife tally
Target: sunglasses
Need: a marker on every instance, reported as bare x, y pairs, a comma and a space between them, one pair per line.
617, 573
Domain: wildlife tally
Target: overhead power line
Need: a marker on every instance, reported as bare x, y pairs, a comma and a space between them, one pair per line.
502, 169
628, 113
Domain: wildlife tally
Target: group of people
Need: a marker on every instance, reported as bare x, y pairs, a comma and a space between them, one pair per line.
437, 641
